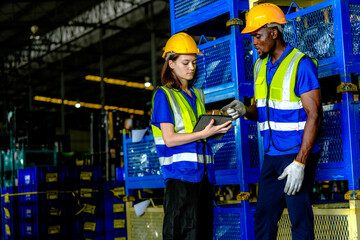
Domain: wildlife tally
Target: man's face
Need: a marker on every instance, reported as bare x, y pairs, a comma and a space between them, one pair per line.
263, 41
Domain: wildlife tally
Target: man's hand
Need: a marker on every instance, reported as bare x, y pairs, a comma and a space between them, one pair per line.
235, 109
295, 177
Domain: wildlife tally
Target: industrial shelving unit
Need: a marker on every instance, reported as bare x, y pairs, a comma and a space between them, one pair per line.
328, 31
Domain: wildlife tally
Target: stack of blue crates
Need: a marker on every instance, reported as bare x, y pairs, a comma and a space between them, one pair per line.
115, 214
9, 213
330, 32
42, 205
88, 206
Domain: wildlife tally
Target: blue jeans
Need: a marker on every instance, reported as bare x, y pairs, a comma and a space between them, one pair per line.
272, 200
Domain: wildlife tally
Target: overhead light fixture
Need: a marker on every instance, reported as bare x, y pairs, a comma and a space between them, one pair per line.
77, 104
147, 82
34, 35
87, 105
118, 82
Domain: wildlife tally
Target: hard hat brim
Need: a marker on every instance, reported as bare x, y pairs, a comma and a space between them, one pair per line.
250, 29
198, 53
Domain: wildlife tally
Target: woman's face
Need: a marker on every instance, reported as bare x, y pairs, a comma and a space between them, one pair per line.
184, 67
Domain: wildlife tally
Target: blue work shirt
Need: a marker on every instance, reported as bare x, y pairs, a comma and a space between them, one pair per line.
306, 81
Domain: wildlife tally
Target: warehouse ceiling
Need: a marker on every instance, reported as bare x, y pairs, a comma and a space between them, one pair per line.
42, 42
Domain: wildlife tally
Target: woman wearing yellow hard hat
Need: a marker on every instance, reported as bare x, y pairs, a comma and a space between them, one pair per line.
186, 161
288, 108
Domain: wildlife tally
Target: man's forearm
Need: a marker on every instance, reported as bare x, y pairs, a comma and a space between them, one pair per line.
311, 130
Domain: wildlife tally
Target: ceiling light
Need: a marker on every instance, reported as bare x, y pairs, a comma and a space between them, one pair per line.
119, 82
147, 82
77, 105
87, 105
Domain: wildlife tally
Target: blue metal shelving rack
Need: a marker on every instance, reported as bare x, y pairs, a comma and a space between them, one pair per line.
328, 31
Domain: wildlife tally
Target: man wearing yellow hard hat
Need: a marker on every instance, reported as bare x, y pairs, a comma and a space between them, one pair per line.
288, 108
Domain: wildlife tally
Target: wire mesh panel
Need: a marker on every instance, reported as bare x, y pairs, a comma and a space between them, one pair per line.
330, 141
253, 145
214, 66
313, 33
227, 224
147, 226
326, 226
224, 151
143, 159
249, 62
183, 7
355, 27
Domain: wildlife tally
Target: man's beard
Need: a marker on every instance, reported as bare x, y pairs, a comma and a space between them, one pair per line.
263, 55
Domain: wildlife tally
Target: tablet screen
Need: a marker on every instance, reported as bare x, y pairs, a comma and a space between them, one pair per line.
204, 120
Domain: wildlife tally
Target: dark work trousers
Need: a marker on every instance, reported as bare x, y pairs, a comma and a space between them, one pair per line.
188, 209
272, 200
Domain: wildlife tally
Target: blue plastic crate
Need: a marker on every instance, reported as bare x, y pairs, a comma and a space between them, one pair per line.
37, 193
87, 173
90, 189
42, 229
45, 210
93, 225
115, 221
42, 176
114, 205
94, 236
90, 207
113, 194
120, 174
116, 235
9, 214
87, 224
9, 202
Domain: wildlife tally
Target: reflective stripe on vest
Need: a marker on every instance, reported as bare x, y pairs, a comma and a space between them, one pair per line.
279, 126
182, 156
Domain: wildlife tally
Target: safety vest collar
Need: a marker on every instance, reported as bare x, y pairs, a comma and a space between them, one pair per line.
184, 116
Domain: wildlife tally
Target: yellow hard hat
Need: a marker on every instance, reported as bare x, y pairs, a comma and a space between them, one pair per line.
263, 14
181, 43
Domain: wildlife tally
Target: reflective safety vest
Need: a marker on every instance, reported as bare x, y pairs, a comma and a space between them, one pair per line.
185, 162
282, 117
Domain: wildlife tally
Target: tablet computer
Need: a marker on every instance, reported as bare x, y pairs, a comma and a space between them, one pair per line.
204, 120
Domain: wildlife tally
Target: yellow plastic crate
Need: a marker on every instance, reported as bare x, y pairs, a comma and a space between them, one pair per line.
147, 226
333, 221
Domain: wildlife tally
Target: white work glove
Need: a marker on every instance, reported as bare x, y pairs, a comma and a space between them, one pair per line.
295, 176
235, 109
